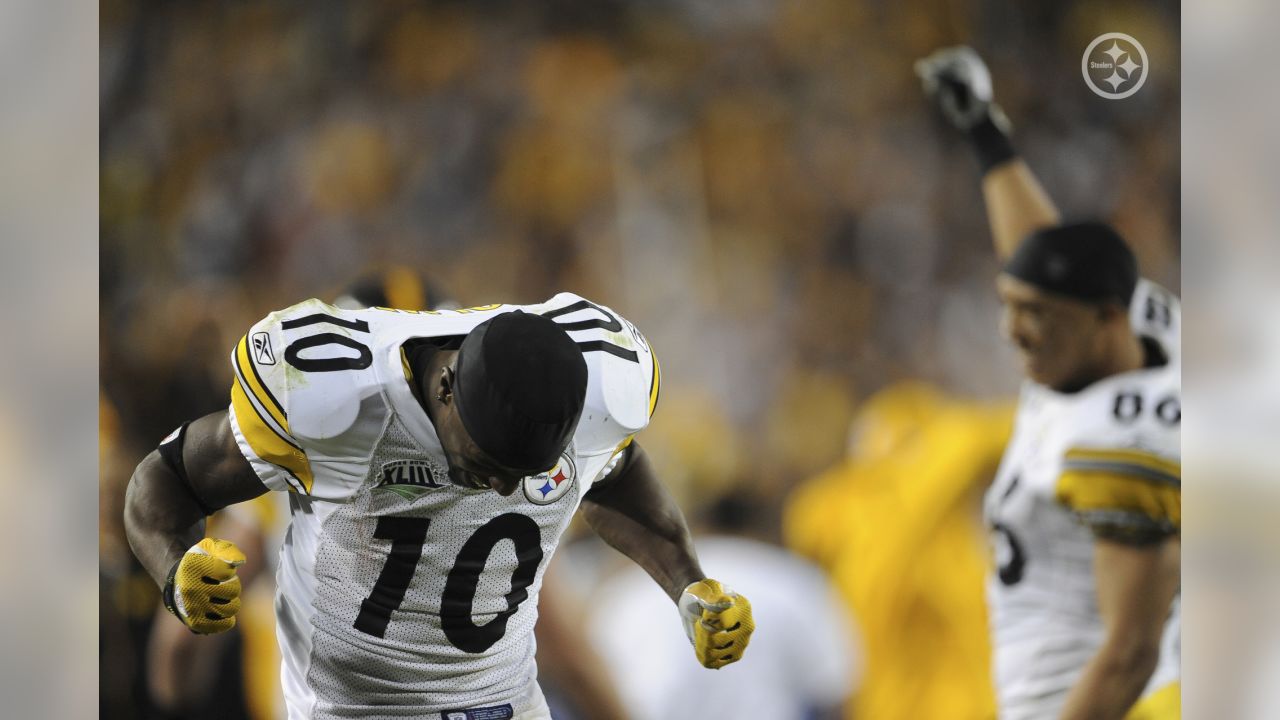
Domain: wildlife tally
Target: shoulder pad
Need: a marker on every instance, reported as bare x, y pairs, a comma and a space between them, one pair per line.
1131, 413
1121, 471
624, 377
304, 393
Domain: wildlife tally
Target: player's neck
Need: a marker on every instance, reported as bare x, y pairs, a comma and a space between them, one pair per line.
1120, 353
1129, 354
1124, 353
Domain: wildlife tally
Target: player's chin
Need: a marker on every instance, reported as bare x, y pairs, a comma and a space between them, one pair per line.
503, 488
471, 482
1035, 367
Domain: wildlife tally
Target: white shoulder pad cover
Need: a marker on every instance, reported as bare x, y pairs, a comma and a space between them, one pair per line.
624, 377
1136, 411
306, 404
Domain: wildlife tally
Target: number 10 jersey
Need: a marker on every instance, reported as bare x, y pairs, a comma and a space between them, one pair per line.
401, 594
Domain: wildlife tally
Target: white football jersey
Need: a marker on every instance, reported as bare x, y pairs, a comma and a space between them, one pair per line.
401, 594
1104, 460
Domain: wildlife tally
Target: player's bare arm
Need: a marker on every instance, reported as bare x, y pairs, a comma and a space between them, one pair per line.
1135, 585
1017, 205
165, 514
632, 511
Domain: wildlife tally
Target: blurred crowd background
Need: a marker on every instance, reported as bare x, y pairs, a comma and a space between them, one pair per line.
759, 186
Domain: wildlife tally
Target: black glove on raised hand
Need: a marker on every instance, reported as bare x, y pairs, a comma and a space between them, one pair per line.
957, 80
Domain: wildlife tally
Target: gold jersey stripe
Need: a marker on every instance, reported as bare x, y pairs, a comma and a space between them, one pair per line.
266, 442
655, 383
626, 442
1156, 465
1101, 494
404, 363
249, 373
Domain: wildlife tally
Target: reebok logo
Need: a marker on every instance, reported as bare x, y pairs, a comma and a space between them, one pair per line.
262, 349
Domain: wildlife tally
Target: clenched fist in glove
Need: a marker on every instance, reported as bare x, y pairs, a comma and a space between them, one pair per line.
203, 590
958, 81
717, 621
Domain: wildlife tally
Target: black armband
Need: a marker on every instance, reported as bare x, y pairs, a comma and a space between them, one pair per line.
168, 595
1142, 534
991, 143
170, 451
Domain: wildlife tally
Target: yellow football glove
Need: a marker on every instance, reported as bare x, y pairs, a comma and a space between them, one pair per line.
203, 590
717, 621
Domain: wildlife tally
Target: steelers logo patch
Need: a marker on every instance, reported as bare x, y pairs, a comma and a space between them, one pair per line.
548, 487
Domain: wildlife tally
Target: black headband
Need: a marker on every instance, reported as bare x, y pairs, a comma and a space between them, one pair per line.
1086, 261
520, 384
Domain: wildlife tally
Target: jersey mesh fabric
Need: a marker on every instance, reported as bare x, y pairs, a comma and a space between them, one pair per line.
415, 667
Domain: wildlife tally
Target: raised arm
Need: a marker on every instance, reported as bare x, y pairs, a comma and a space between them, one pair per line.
174, 488
959, 82
632, 511
1016, 205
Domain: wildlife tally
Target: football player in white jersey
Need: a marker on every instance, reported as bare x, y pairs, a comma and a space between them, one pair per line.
1085, 510
433, 460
